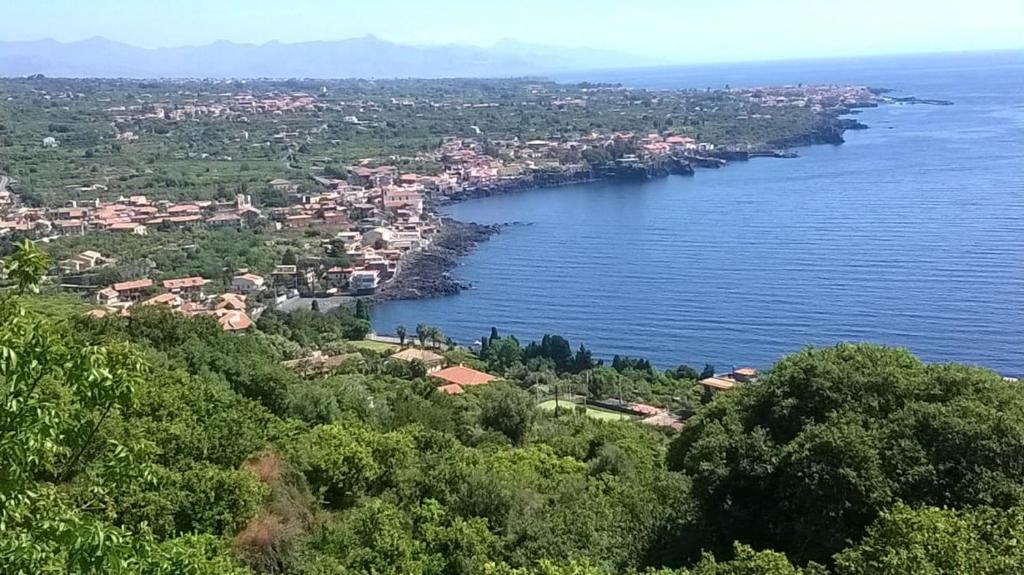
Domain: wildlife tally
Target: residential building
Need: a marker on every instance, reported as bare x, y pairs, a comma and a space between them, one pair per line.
225, 220
363, 282
189, 288
430, 360
107, 296
232, 320
248, 283
132, 290
462, 376
169, 299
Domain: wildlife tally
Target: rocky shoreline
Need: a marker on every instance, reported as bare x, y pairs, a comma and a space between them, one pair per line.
427, 273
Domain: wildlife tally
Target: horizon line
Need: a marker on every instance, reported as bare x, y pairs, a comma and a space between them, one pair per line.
663, 64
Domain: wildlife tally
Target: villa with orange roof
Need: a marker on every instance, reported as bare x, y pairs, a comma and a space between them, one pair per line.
462, 376
191, 287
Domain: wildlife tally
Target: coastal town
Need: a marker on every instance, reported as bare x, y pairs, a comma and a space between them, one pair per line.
365, 220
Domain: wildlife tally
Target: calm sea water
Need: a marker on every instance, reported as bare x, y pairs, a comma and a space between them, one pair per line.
909, 234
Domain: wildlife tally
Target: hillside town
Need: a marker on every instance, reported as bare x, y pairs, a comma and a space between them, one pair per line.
375, 212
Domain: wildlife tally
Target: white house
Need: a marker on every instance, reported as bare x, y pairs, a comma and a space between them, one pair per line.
363, 281
383, 236
247, 283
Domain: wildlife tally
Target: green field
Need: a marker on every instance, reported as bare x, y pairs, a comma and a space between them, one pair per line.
594, 412
378, 346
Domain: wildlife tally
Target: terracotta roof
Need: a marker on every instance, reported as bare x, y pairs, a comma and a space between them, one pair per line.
108, 292
183, 209
413, 354
192, 308
250, 277
451, 389
164, 298
231, 301
234, 320
463, 376
184, 283
120, 226
718, 383
745, 371
132, 285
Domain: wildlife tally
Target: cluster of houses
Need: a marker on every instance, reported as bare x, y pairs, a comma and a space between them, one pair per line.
817, 98
231, 309
134, 215
725, 381
226, 106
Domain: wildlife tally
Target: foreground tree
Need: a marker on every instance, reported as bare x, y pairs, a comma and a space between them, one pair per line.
907, 541
508, 410
805, 461
58, 391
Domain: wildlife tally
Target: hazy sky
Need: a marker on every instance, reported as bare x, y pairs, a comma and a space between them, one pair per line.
676, 30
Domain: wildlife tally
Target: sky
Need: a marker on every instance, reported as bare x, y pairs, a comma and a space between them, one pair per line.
678, 31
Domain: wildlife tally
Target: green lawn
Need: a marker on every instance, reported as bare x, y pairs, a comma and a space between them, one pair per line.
377, 346
594, 412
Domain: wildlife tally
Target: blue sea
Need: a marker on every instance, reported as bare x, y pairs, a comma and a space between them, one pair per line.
910, 234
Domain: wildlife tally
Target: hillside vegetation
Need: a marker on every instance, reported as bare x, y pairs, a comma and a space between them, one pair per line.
159, 444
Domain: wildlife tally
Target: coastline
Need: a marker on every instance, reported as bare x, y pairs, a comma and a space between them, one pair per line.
427, 273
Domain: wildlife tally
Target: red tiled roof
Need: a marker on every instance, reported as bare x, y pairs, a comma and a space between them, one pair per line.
231, 301
463, 376
164, 298
184, 283
234, 321
108, 292
451, 389
250, 277
132, 285
120, 226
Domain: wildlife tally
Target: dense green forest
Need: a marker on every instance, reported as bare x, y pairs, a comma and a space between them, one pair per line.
160, 444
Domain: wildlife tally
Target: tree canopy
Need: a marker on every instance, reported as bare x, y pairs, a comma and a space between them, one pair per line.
158, 444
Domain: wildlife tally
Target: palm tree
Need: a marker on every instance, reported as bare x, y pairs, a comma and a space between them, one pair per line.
422, 333
436, 336
401, 335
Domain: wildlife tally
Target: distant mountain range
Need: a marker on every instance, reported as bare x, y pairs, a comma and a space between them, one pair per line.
365, 57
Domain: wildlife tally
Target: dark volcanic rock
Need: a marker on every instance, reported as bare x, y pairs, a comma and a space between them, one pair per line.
828, 131
427, 273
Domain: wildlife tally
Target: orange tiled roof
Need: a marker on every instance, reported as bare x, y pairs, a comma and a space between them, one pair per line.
231, 301
184, 283
451, 389
234, 321
132, 285
463, 376
164, 298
